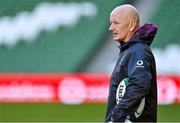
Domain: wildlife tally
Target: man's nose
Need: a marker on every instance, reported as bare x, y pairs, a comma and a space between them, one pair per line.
110, 28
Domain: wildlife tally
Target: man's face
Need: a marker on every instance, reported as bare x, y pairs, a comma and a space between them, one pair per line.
119, 27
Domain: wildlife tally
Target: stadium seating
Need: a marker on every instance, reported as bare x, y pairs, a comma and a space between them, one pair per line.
63, 50
167, 18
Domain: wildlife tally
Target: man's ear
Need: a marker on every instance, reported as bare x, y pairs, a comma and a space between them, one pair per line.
132, 25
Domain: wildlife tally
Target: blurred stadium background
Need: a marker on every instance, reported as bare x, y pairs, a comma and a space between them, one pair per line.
50, 46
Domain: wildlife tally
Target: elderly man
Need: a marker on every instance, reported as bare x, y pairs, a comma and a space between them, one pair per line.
133, 89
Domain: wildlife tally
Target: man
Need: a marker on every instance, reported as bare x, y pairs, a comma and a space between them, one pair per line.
136, 62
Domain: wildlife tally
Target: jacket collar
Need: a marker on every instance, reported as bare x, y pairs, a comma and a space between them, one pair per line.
144, 34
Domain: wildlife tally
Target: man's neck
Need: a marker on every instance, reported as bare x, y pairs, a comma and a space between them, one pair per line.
129, 36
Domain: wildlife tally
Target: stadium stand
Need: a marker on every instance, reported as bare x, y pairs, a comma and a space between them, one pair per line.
63, 50
167, 17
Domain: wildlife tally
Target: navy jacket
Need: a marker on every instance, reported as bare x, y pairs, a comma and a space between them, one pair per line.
136, 62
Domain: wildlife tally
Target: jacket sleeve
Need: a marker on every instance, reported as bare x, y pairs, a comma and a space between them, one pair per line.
138, 62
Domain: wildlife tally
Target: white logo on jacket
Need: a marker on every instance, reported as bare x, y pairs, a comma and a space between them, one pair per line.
140, 63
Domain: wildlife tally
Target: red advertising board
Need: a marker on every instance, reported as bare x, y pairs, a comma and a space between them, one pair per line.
168, 89
73, 88
64, 88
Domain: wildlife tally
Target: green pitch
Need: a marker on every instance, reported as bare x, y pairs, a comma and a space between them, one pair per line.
59, 112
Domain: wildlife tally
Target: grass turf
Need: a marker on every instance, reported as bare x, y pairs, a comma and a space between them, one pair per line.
58, 112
